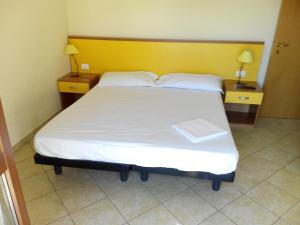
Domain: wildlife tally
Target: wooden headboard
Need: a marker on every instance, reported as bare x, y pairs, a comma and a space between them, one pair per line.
165, 56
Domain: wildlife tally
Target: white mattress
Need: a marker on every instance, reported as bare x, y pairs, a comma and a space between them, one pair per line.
133, 125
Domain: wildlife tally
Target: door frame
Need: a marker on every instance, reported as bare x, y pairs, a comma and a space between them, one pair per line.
8, 168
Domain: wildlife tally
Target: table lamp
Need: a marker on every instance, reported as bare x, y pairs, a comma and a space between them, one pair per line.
246, 57
72, 50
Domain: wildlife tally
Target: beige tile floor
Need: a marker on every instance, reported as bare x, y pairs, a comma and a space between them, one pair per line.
266, 190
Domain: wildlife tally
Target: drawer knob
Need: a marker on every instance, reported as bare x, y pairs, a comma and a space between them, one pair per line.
73, 87
244, 98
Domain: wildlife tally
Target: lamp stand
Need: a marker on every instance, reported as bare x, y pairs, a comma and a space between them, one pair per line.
76, 64
240, 84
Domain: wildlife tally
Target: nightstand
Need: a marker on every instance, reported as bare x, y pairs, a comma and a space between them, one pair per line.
249, 99
71, 88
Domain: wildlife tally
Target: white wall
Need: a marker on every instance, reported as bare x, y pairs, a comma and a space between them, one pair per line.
33, 34
32, 37
253, 20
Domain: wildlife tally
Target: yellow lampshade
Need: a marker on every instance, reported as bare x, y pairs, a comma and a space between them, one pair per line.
246, 57
71, 49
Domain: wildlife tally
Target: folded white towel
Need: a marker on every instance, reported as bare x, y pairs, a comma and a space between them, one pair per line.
199, 130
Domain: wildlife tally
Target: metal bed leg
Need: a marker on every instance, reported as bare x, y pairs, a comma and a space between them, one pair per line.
216, 184
144, 175
57, 169
124, 175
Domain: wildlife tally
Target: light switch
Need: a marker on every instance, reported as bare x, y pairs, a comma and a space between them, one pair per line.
85, 67
243, 73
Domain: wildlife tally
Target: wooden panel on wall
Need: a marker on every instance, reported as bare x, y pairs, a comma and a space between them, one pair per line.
165, 56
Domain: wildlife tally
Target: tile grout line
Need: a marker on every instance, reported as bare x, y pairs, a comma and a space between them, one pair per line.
93, 203
60, 219
281, 167
188, 187
127, 221
165, 207
281, 217
143, 213
276, 140
266, 179
263, 180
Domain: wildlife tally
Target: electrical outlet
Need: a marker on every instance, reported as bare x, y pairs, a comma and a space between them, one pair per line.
85, 67
243, 73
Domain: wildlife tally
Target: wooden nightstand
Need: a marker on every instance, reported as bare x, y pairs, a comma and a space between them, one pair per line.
250, 97
72, 88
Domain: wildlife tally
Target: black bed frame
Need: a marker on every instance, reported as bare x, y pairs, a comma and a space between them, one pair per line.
124, 169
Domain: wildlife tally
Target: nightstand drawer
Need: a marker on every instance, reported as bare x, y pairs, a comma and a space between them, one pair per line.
243, 97
72, 87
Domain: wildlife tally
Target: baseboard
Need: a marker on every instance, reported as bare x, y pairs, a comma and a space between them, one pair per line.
29, 137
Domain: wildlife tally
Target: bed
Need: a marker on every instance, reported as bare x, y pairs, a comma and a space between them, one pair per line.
130, 128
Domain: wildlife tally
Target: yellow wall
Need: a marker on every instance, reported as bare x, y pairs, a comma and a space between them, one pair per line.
166, 57
183, 19
32, 37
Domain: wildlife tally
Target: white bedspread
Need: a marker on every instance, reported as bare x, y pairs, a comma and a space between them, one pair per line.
133, 125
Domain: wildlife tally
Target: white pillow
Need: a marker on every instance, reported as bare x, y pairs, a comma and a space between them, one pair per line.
128, 79
205, 82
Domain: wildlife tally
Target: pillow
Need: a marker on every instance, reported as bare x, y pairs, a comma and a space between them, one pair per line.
204, 82
128, 79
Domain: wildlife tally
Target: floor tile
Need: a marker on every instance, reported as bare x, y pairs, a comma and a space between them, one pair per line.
217, 219
63, 221
281, 221
164, 186
288, 181
27, 168
293, 215
100, 213
68, 177
240, 128
220, 198
46, 209
272, 198
245, 150
110, 182
259, 166
246, 140
269, 150
294, 166
264, 135
36, 186
279, 126
255, 140
276, 155
189, 181
80, 195
190, 208
25, 152
244, 180
244, 211
156, 216
47, 168
133, 201
288, 144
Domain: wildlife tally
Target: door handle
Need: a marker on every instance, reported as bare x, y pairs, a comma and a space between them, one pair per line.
244, 98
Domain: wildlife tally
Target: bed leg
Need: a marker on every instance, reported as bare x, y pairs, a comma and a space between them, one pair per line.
57, 169
216, 184
144, 175
124, 175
